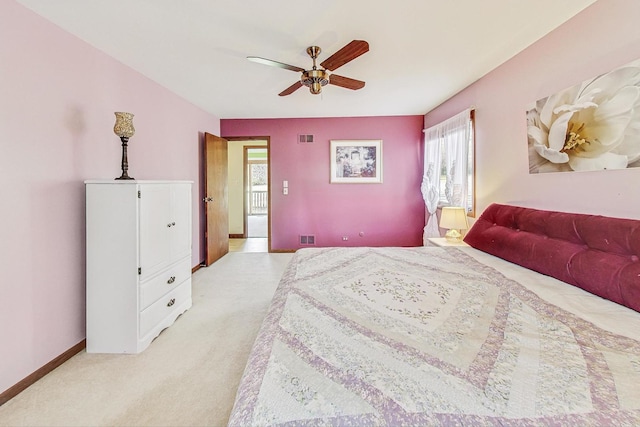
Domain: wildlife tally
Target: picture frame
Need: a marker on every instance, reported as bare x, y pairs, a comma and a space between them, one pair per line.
591, 126
356, 161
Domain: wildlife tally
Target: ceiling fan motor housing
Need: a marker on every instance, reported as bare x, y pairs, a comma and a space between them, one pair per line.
314, 80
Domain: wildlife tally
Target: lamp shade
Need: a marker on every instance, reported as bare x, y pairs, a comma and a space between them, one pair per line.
124, 125
454, 217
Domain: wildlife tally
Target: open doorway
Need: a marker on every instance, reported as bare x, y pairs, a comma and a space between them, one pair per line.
257, 192
249, 199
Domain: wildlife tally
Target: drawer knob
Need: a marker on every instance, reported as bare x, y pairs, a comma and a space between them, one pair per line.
171, 302
171, 279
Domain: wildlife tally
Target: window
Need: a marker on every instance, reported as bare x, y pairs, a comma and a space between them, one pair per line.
449, 168
450, 192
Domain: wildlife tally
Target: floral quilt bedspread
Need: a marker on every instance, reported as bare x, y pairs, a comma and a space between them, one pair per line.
428, 336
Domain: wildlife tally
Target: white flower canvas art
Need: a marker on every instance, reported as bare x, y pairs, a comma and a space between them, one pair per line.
591, 126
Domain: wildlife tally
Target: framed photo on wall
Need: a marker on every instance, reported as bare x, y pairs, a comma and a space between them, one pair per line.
591, 126
356, 161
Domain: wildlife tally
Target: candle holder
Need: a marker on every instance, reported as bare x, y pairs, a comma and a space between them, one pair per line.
125, 130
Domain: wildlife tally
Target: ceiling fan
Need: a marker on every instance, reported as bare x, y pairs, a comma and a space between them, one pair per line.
316, 77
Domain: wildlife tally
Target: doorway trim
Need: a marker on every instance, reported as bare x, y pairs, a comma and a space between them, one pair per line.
244, 174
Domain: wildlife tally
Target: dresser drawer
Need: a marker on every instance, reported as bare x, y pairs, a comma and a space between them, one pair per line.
165, 307
172, 277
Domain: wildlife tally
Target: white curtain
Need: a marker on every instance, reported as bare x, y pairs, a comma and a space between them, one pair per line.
446, 150
431, 182
455, 135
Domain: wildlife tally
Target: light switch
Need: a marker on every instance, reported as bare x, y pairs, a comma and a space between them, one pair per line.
285, 191
285, 184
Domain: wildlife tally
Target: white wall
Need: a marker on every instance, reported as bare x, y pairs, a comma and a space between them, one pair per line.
602, 37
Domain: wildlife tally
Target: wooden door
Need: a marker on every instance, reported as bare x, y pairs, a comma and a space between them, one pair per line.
216, 198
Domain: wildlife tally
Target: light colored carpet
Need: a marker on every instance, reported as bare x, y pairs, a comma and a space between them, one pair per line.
187, 377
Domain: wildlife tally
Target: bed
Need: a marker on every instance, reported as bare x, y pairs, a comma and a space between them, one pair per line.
536, 323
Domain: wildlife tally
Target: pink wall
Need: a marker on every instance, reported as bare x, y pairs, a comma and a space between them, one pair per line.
389, 214
601, 38
57, 98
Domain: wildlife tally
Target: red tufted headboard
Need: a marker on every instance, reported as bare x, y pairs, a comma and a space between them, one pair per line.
596, 253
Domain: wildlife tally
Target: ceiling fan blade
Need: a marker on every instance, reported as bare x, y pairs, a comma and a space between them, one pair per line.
345, 82
348, 53
288, 91
274, 63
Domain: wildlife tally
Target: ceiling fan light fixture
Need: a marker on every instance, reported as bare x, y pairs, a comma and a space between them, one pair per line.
315, 88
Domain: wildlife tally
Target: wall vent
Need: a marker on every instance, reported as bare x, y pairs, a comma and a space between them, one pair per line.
305, 139
308, 240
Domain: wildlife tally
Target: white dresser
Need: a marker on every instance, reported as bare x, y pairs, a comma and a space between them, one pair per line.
138, 261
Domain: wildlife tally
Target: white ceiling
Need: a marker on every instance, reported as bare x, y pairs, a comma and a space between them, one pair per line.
421, 51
